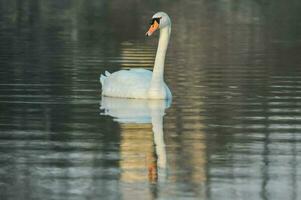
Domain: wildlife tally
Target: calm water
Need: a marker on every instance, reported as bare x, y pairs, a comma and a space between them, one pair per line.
232, 131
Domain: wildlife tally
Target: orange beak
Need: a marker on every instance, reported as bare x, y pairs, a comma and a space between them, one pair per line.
152, 28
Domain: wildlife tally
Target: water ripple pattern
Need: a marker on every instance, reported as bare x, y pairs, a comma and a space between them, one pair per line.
232, 130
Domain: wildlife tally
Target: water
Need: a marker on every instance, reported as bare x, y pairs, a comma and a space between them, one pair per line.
232, 131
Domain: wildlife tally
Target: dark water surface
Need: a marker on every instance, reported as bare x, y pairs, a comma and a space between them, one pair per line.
232, 131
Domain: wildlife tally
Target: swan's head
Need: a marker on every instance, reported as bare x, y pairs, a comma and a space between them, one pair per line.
158, 21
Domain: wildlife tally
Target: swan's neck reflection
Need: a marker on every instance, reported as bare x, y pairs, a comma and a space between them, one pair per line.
157, 124
139, 112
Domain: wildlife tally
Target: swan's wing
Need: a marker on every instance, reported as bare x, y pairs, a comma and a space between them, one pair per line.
144, 71
132, 83
107, 73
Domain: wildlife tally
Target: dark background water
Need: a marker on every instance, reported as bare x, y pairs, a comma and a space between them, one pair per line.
233, 130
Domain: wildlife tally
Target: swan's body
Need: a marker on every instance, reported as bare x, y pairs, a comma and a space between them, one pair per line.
133, 83
141, 83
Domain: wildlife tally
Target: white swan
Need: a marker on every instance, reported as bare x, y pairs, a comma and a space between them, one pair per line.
142, 83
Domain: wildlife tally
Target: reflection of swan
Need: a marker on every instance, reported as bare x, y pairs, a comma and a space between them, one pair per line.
140, 111
141, 83
133, 110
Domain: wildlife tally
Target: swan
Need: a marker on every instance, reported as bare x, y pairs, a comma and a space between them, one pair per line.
142, 83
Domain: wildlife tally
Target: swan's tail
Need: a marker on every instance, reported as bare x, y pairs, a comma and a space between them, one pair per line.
103, 77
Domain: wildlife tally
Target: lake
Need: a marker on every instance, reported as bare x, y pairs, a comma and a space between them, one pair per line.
231, 131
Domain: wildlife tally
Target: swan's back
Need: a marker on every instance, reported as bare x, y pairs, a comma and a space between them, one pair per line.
132, 83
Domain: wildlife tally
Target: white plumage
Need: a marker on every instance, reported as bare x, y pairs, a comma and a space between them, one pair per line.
142, 83
133, 83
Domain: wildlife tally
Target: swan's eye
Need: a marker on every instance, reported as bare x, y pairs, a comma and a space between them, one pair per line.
155, 19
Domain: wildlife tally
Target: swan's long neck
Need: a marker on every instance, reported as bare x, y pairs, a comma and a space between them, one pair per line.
158, 72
